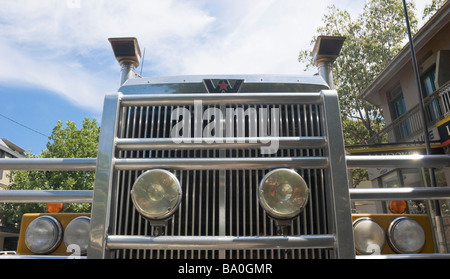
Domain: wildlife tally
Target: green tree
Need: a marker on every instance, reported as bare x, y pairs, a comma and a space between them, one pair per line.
431, 8
372, 40
64, 142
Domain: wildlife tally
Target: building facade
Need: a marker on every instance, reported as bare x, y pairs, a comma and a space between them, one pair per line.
8, 236
8, 150
396, 92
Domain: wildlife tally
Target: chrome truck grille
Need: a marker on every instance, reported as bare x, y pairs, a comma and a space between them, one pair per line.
220, 215
219, 202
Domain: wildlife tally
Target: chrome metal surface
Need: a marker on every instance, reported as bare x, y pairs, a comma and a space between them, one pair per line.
261, 79
253, 84
127, 72
212, 143
25, 196
443, 256
339, 210
219, 181
400, 161
104, 178
48, 164
400, 193
226, 99
221, 242
222, 163
40, 257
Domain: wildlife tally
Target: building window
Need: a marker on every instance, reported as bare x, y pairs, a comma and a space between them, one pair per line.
398, 108
427, 79
428, 87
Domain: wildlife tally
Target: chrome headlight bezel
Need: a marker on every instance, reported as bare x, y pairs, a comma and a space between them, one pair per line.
406, 236
369, 236
168, 186
43, 235
287, 201
77, 233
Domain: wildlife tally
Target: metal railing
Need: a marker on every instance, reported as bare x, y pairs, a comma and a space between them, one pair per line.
68, 196
409, 126
47, 164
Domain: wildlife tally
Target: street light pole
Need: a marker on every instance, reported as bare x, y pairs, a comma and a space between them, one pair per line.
424, 119
417, 77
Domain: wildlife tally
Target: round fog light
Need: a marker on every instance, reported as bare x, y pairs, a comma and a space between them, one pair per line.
283, 193
156, 194
43, 235
406, 236
369, 236
77, 233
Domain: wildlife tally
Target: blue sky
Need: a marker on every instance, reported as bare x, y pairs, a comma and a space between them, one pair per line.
57, 64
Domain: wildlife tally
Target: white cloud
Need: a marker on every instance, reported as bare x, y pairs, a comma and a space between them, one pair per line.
62, 45
64, 49
248, 37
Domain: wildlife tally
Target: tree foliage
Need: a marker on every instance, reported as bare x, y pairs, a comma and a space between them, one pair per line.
64, 142
431, 8
372, 40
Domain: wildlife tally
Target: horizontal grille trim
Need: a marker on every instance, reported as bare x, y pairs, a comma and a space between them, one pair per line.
211, 143
222, 163
220, 242
221, 99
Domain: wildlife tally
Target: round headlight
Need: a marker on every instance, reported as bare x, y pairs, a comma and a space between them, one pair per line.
283, 193
43, 235
77, 233
156, 194
369, 236
406, 236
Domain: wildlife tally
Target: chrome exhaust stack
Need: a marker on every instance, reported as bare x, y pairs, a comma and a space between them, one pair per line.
128, 54
325, 52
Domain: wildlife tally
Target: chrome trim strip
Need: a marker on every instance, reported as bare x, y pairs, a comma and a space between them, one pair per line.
217, 99
86, 196
401, 193
405, 256
48, 164
222, 163
214, 143
220, 242
68, 196
252, 78
41, 257
353, 161
404, 161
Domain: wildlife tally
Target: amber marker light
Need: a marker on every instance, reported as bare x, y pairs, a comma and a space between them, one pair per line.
397, 207
55, 207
